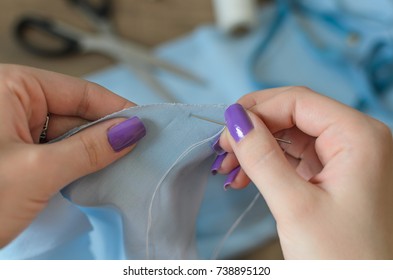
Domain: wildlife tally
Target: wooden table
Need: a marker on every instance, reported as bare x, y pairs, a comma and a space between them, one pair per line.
147, 22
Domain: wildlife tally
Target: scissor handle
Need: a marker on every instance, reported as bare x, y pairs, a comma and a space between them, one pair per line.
102, 9
46, 27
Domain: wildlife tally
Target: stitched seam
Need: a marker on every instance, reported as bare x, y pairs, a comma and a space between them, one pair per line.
118, 114
159, 184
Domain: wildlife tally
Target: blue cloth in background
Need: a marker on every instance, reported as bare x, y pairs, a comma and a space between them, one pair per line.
345, 43
223, 63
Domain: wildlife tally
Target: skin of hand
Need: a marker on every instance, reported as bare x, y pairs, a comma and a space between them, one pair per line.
331, 190
31, 174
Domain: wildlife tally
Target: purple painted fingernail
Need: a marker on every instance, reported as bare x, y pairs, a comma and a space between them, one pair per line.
231, 177
217, 148
217, 163
238, 122
126, 133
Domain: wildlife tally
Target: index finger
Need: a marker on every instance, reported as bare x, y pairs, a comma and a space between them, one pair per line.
70, 96
283, 108
335, 125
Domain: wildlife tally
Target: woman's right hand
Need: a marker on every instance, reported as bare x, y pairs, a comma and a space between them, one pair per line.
331, 190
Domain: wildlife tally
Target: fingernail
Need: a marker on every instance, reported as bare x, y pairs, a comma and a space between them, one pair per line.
217, 148
231, 177
126, 133
217, 163
237, 121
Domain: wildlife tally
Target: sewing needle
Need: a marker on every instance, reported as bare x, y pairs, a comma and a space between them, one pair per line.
223, 124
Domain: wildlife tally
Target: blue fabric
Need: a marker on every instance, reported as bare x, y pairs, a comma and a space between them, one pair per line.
54, 227
159, 187
173, 231
348, 40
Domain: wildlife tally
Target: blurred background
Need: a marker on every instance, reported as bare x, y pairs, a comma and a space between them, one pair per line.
149, 22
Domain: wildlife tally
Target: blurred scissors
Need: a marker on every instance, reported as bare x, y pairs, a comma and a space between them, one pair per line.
105, 41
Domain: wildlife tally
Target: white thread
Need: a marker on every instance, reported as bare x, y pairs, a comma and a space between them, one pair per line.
232, 15
218, 249
150, 212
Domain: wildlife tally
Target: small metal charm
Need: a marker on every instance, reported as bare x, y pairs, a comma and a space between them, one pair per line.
44, 131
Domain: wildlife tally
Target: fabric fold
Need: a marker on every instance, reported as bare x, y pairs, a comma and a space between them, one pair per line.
158, 187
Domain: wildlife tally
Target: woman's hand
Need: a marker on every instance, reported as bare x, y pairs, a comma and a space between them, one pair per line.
31, 174
331, 190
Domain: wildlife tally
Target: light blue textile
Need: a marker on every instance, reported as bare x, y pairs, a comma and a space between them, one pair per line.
46, 233
174, 158
224, 65
159, 187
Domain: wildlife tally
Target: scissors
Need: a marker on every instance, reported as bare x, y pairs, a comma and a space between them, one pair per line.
71, 40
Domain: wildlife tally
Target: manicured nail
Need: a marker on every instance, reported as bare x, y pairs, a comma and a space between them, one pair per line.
231, 177
237, 121
217, 148
126, 133
217, 163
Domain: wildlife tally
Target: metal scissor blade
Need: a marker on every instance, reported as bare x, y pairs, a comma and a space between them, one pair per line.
154, 84
138, 55
159, 63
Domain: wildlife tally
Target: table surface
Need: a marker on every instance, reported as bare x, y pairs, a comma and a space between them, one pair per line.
167, 19
148, 22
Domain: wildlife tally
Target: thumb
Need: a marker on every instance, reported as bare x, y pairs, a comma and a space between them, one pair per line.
91, 150
262, 158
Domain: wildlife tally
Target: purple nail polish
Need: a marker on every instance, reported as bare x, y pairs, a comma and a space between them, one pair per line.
217, 148
238, 122
231, 177
126, 133
217, 163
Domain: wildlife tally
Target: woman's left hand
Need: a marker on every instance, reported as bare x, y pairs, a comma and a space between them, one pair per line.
31, 174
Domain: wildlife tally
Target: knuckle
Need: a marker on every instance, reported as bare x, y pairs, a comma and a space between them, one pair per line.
264, 157
9, 75
28, 161
298, 93
377, 133
6, 69
383, 138
375, 140
383, 130
301, 90
33, 158
301, 208
85, 100
256, 158
3, 72
92, 151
